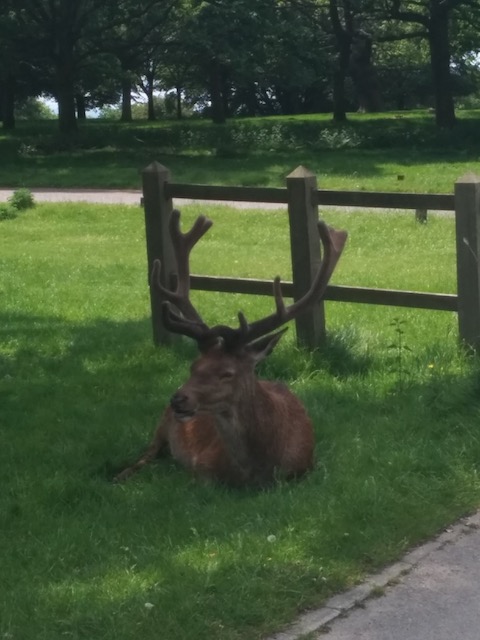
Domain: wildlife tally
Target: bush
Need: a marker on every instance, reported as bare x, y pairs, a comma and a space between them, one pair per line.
21, 199
7, 212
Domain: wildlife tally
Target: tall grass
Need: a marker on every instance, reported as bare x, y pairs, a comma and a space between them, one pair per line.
81, 387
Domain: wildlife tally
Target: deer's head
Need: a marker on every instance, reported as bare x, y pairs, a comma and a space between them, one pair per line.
220, 376
224, 371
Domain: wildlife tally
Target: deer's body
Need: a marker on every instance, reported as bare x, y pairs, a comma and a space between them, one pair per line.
197, 443
253, 432
224, 424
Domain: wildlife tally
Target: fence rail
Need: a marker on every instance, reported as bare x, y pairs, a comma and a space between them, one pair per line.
303, 198
370, 199
232, 194
336, 293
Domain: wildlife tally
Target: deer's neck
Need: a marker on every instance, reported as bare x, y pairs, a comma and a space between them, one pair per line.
236, 423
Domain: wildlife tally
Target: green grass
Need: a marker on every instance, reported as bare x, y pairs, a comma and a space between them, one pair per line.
369, 153
81, 387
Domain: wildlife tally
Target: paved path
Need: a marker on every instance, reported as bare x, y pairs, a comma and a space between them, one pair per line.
114, 196
80, 195
433, 593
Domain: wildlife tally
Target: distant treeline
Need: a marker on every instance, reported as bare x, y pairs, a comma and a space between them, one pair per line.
249, 57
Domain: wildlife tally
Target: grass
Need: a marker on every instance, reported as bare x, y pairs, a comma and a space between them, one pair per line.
396, 151
81, 387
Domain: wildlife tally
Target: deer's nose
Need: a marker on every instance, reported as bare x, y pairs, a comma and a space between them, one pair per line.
178, 401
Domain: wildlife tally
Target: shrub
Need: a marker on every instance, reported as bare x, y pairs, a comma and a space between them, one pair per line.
7, 212
21, 199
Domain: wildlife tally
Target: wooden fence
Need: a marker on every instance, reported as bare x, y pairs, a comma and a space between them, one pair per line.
302, 197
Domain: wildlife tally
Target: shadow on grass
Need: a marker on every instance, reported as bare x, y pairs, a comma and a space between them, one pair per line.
110, 375
114, 168
108, 155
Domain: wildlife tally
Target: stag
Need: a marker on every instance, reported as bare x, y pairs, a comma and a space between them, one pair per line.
224, 424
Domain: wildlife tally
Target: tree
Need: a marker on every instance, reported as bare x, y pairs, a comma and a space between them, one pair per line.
254, 57
404, 73
56, 29
17, 76
295, 59
343, 33
133, 36
223, 39
68, 34
434, 17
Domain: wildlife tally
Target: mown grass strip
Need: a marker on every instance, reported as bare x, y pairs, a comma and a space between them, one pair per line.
398, 151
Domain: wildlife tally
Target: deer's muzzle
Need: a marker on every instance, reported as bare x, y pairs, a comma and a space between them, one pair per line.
182, 408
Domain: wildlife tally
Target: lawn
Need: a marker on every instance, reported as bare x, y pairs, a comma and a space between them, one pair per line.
399, 151
394, 401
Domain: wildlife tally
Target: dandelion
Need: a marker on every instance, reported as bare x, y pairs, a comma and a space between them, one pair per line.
271, 538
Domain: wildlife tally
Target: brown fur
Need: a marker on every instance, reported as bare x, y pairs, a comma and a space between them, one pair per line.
243, 431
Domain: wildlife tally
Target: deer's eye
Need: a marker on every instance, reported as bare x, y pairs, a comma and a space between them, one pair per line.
227, 374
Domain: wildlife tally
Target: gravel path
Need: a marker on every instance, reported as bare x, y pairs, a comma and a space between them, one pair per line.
117, 196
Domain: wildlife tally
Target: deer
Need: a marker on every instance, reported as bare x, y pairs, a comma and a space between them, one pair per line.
224, 424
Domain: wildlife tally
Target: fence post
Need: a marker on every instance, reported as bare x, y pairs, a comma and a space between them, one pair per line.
305, 250
421, 215
467, 228
158, 209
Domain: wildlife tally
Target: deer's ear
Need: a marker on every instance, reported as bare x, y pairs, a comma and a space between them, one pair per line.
264, 346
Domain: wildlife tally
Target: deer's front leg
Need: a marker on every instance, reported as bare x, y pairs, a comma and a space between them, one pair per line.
158, 443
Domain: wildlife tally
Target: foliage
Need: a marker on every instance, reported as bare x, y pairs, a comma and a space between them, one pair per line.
7, 211
163, 106
81, 387
33, 109
433, 20
22, 199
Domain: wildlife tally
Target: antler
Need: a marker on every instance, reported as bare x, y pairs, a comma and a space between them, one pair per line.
183, 244
333, 242
189, 322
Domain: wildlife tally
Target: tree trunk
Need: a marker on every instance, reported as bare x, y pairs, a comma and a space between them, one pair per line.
363, 74
286, 99
150, 107
80, 104
178, 98
65, 92
216, 96
438, 39
8, 102
339, 103
67, 121
126, 97
314, 99
148, 88
150, 104
343, 37
339, 75
251, 101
